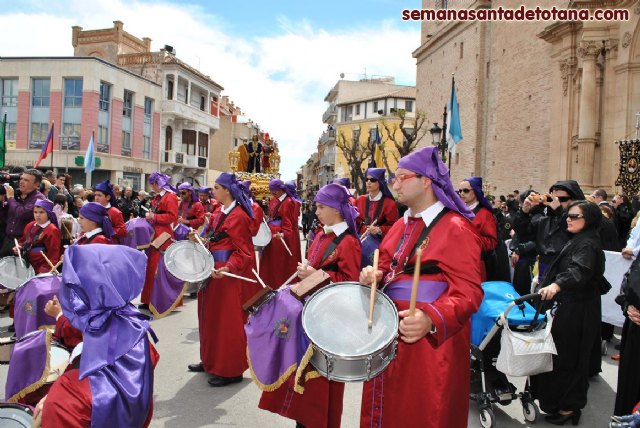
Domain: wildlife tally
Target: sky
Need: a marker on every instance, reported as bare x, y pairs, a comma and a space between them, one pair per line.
276, 59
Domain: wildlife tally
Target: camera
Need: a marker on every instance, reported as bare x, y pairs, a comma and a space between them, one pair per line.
540, 199
4, 177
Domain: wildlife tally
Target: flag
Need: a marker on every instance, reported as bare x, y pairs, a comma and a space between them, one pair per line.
3, 140
46, 148
89, 157
454, 131
377, 158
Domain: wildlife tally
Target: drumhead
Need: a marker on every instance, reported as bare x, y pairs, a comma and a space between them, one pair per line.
263, 237
188, 261
13, 272
58, 362
336, 320
15, 416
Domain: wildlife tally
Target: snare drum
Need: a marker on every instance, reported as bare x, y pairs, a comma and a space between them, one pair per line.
14, 272
335, 319
14, 415
188, 261
263, 237
58, 362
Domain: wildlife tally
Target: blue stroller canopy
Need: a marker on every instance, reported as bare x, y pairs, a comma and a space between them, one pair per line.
498, 295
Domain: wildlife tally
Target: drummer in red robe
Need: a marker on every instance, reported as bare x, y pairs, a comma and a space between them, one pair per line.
249, 289
41, 236
223, 343
471, 193
377, 206
336, 250
113, 385
208, 203
276, 264
163, 214
96, 225
190, 210
427, 384
105, 196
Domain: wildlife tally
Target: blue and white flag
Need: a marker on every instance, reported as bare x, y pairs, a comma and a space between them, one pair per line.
89, 157
454, 130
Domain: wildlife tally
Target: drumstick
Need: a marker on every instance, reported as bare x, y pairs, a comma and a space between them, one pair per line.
198, 239
46, 259
259, 279
374, 285
19, 253
414, 286
231, 275
144, 208
367, 233
285, 245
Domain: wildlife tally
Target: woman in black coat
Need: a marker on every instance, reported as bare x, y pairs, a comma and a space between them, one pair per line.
573, 280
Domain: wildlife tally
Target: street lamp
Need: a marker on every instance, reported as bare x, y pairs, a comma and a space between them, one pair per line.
438, 137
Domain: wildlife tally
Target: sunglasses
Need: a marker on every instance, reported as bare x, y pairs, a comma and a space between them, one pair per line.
465, 191
574, 216
184, 193
402, 177
564, 199
372, 180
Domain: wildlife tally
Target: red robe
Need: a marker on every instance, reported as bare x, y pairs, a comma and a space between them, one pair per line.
117, 221
427, 384
223, 351
195, 214
67, 334
95, 239
165, 213
49, 239
276, 265
388, 214
69, 400
487, 230
321, 403
249, 289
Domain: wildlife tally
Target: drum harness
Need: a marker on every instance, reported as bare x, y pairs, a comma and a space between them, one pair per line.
367, 220
214, 235
333, 267
28, 243
188, 210
425, 268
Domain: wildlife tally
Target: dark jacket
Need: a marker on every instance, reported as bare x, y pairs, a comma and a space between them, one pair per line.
578, 268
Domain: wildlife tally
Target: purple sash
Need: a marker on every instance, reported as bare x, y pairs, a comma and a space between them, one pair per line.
30, 301
428, 291
139, 232
273, 340
277, 222
221, 255
166, 293
27, 365
181, 232
369, 245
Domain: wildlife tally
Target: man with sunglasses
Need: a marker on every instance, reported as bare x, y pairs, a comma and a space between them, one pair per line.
428, 381
549, 224
471, 193
377, 206
190, 209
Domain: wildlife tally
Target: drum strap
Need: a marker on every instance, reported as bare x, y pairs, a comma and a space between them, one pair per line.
94, 237
331, 248
188, 210
367, 220
419, 242
31, 239
214, 235
275, 212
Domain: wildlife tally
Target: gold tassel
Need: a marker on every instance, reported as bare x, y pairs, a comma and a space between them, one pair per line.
298, 385
157, 315
277, 384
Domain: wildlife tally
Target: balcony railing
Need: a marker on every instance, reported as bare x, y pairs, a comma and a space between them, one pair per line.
190, 113
332, 110
327, 136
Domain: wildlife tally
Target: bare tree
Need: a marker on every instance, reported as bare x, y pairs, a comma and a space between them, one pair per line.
355, 154
413, 130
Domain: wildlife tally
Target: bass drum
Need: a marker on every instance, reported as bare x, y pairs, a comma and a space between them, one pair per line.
335, 319
188, 261
14, 272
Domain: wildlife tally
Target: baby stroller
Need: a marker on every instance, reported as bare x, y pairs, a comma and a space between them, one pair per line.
489, 386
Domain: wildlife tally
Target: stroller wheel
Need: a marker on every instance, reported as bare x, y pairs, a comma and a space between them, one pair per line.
604, 348
487, 418
530, 411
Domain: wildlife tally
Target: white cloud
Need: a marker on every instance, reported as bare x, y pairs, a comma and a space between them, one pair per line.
279, 81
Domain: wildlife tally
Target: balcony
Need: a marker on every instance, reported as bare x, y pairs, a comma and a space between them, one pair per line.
174, 157
330, 115
189, 113
327, 137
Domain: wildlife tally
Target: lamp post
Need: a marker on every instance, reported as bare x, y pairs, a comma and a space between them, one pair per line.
439, 137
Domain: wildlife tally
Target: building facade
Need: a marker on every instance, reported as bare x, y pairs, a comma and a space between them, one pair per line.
539, 101
189, 102
81, 97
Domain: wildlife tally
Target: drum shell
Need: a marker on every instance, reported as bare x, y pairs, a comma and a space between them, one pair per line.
16, 415
358, 367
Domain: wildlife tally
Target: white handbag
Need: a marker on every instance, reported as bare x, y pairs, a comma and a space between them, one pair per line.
526, 354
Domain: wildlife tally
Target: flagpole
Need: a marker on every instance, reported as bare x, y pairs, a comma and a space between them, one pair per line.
53, 132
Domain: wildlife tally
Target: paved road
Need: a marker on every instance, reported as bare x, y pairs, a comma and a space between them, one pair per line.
184, 399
